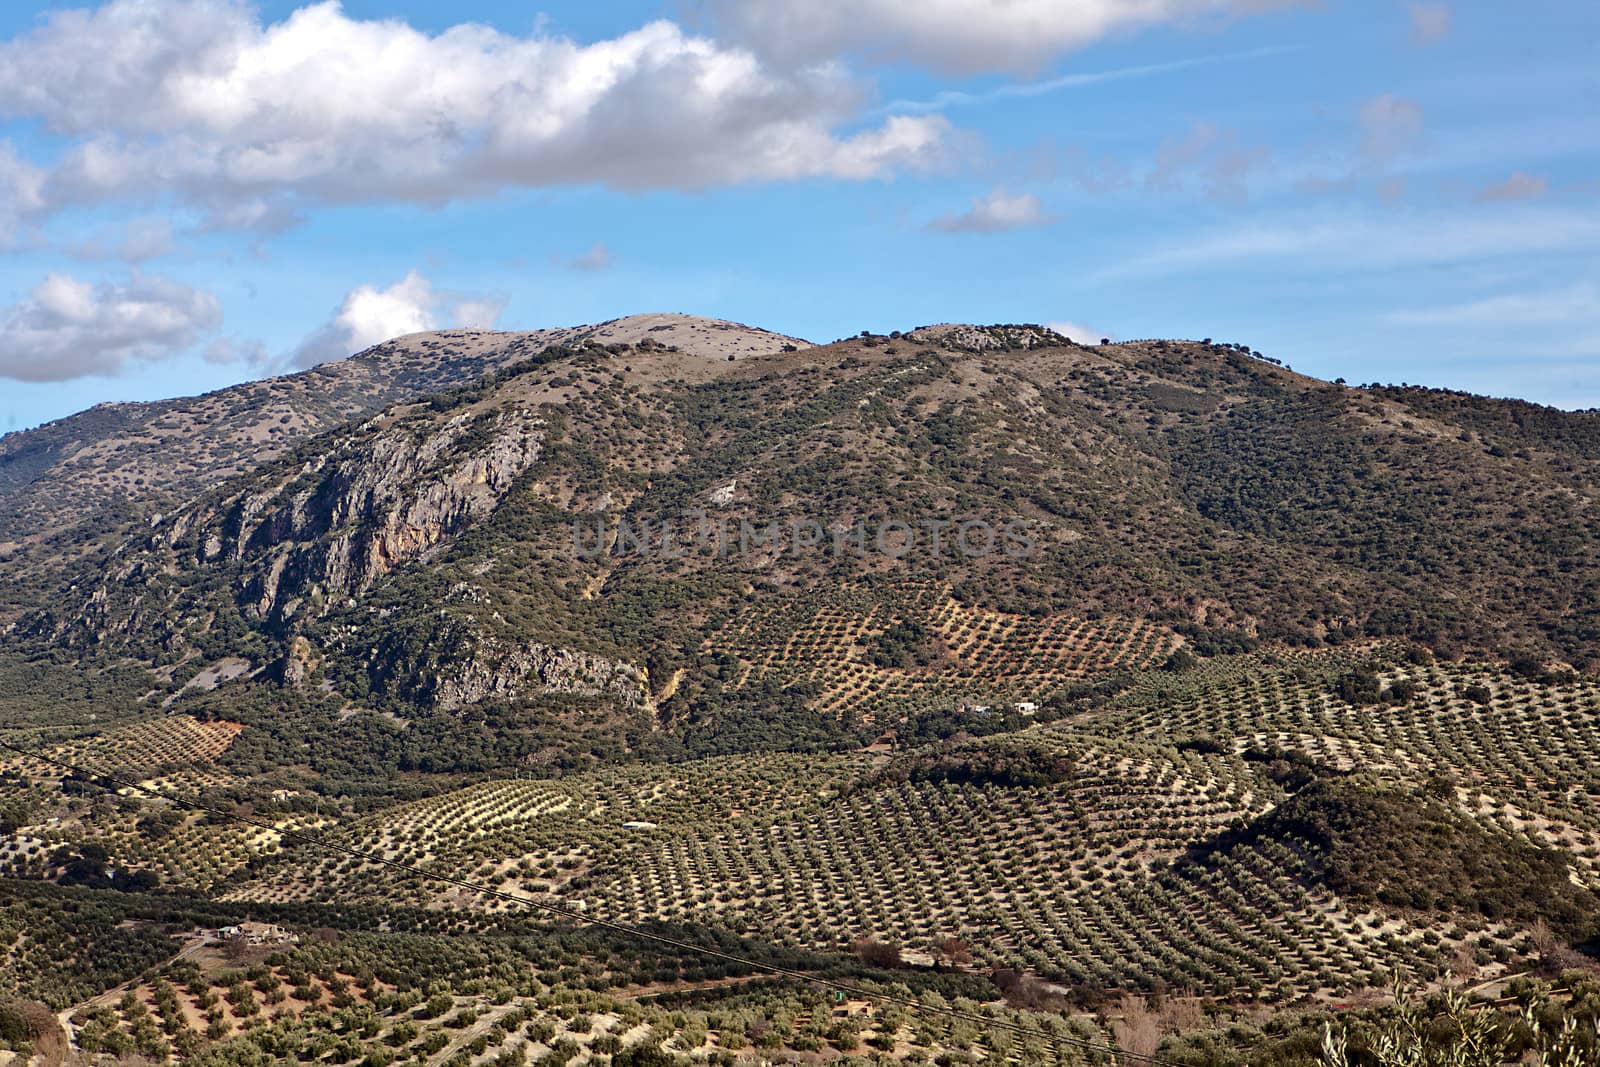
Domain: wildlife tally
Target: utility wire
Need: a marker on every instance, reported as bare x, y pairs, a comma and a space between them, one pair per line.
1058, 1040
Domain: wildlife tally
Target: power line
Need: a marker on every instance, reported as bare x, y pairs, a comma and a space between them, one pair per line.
572, 914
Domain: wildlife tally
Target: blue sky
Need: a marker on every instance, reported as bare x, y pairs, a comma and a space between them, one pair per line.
196, 192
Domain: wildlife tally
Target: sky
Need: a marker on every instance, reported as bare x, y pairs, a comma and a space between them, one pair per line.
195, 193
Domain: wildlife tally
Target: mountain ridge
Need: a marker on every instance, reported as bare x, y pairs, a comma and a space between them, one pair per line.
1271, 698
115, 464
1182, 493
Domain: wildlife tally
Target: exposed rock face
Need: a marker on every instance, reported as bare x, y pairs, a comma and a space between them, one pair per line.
713, 339
321, 532
298, 662
971, 338
504, 671
317, 534
115, 465
344, 521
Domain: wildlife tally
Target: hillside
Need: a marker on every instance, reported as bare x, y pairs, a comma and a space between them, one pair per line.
970, 660
1229, 840
96, 473
1130, 498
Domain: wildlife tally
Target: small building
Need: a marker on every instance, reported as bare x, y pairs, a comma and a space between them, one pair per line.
1026, 707
256, 933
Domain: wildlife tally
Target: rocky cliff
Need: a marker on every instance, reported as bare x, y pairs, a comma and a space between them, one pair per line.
498, 670
309, 532
71, 486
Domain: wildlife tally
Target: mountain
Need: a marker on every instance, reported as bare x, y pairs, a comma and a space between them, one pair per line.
1146, 692
511, 536
71, 482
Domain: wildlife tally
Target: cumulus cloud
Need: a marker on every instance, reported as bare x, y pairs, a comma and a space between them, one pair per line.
1389, 125
964, 36
230, 351
246, 119
134, 242
1429, 23
21, 183
369, 316
144, 239
1077, 331
477, 312
21, 192
1519, 186
258, 214
68, 328
997, 210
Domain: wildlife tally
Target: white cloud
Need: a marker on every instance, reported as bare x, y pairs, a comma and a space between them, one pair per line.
369, 316
69, 328
144, 239
1077, 331
1023, 90
1519, 186
21, 183
137, 240
1210, 151
597, 258
1576, 303
245, 120
477, 313
1321, 242
998, 210
1389, 125
1430, 23
21, 192
259, 214
230, 351
965, 36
